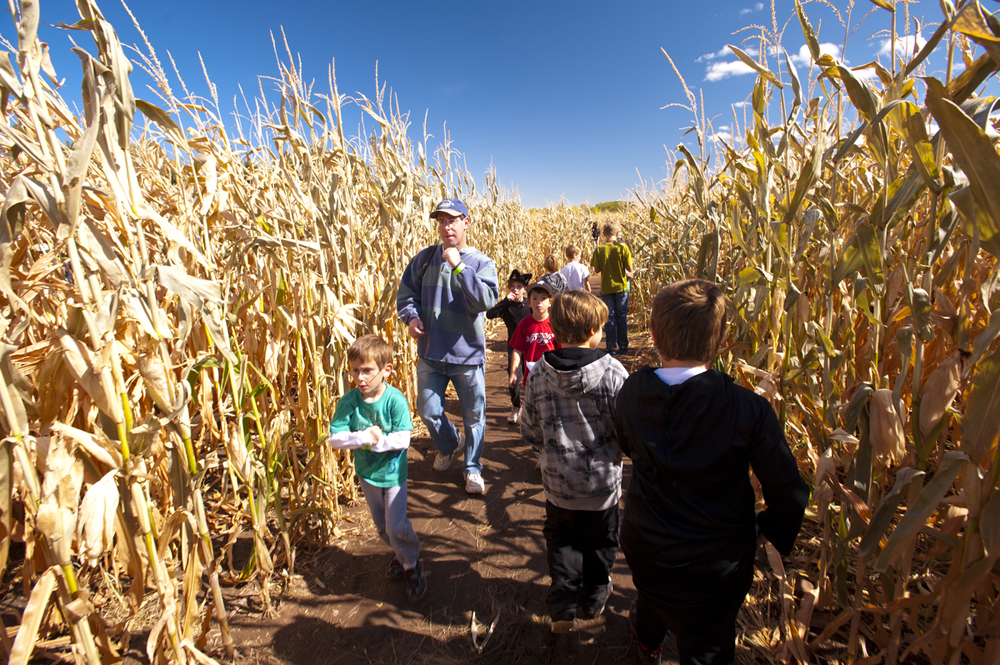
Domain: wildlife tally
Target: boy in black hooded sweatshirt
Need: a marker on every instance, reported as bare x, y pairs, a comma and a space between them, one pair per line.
689, 532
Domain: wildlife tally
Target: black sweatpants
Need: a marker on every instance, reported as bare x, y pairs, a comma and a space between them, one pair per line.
581, 546
698, 603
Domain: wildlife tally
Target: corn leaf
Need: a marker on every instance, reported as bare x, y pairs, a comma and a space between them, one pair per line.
982, 425
754, 65
31, 619
917, 514
974, 153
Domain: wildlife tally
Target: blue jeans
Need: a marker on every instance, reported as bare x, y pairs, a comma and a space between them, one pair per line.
616, 329
388, 508
470, 384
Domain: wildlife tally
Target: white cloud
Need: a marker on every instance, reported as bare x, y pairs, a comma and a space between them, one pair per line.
726, 52
723, 70
803, 57
748, 10
740, 105
717, 71
722, 53
722, 136
904, 45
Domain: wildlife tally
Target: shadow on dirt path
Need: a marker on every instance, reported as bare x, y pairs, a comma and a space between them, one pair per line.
482, 554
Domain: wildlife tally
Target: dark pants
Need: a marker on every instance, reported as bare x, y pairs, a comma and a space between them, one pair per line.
581, 546
515, 390
616, 329
697, 603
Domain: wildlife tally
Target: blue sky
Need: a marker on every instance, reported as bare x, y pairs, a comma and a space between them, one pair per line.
565, 98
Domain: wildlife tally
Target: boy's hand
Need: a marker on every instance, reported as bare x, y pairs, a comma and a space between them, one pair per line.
512, 381
376, 433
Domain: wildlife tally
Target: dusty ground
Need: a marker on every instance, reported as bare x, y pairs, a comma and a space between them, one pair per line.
483, 555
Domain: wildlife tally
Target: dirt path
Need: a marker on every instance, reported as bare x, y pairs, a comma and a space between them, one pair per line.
483, 554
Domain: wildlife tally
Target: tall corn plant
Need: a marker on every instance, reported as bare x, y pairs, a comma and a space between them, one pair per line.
861, 271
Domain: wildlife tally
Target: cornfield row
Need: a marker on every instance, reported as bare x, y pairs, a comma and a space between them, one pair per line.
176, 304
861, 267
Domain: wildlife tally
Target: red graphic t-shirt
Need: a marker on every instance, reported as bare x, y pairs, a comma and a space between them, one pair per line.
531, 339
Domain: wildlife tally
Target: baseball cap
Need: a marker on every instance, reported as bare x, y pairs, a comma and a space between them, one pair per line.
452, 207
553, 283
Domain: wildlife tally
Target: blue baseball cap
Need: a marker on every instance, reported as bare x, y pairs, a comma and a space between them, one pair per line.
452, 207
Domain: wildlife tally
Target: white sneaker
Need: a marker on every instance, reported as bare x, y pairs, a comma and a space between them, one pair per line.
474, 483
443, 462
515, 415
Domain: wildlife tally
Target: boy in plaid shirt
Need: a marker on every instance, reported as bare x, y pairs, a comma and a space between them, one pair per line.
567, 417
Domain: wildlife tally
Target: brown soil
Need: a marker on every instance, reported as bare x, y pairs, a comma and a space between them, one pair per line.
483, 554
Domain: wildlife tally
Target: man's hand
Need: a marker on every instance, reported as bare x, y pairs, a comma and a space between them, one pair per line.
451, 255
376, 433
416, 328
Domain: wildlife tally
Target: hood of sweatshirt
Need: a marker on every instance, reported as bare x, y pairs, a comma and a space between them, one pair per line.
573, 371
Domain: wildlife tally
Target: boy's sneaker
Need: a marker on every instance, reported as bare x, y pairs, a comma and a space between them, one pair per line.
416, 583
515, 415
395, 570
474, 483
649, 656
443, 462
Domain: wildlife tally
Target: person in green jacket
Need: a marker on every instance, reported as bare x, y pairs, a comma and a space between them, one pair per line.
612, 260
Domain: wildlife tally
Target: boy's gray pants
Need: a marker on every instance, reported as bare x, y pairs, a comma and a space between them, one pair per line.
388, 508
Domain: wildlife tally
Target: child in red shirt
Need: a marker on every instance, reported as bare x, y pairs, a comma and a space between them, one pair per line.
533, 335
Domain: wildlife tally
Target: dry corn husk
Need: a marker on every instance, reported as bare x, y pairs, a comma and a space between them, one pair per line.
939, 392
96, 523
887, 438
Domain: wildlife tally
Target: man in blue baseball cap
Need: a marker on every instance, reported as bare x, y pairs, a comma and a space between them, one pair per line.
442, 298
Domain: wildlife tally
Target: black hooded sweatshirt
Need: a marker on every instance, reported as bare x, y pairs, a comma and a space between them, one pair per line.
692, 446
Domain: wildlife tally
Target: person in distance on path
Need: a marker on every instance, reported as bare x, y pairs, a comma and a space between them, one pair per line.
613, 262
512, 310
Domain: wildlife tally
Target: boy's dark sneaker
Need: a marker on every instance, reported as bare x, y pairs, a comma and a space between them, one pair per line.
416, 583
395, 570
647, 655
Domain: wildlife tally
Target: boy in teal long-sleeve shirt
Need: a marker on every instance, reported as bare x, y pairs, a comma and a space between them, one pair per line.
373, 420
